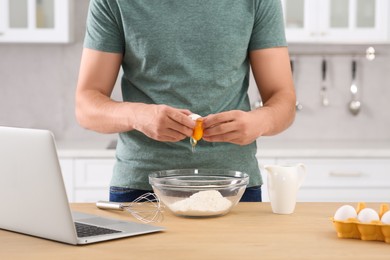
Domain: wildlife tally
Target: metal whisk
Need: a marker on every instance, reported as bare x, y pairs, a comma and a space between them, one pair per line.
146, 208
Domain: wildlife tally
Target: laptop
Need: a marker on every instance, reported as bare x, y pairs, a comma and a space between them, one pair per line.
33, 199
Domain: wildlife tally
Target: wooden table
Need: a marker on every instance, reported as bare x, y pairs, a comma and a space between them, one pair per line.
249, 231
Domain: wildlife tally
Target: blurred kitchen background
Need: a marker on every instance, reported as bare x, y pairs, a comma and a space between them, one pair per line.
347, 155
38, 80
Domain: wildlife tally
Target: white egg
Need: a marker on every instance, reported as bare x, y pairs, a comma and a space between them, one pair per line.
386, 218
367, 215
194, 116
345, 212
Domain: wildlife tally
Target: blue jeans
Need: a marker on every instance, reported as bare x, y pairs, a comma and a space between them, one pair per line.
252, 194
119, 194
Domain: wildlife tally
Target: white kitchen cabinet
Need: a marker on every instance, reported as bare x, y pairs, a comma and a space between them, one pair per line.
344, 180
36, 21
338, 179
87, 179
337, 21
92, 179
67, 169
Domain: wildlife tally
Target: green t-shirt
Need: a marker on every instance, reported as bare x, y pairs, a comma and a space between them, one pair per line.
190, 54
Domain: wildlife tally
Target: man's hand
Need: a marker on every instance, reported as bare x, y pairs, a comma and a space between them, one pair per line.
236, 126
163, 123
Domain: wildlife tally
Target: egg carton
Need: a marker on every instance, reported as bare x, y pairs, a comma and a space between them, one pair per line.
373, 231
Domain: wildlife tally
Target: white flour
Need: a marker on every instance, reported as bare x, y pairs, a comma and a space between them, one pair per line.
202, 203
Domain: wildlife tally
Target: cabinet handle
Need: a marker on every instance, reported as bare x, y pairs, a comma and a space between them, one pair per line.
345, 174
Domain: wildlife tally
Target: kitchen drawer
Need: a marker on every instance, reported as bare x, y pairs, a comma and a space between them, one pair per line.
345, 173
93, 173
309, 194
340, 180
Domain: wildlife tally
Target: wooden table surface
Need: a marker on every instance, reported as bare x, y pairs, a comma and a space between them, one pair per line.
249, 231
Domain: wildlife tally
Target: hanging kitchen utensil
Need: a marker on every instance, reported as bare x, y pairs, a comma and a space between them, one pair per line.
355, 105
324, 87
298, 105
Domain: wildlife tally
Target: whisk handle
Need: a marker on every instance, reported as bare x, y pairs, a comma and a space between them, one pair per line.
109, 205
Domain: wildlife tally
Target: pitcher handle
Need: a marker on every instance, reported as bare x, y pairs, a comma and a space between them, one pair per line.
302, 173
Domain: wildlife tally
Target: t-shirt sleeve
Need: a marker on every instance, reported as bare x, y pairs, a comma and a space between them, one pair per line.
268, 29
104, 30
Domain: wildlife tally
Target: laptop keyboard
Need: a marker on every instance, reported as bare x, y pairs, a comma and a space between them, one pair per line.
85, 230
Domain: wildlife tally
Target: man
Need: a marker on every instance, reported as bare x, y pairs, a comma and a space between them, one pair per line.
181, 57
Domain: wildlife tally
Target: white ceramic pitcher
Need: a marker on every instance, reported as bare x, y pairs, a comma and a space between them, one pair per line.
283, 183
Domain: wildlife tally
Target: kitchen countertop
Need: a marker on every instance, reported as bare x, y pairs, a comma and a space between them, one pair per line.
266, 149
249, 231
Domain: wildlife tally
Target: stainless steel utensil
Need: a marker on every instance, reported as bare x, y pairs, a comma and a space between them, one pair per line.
355, 105
324, 87
298, 105
146, 208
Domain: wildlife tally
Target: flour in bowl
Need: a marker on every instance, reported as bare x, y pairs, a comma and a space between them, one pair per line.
202, 203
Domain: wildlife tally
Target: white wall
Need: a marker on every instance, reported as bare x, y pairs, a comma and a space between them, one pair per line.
38, 81
335, 122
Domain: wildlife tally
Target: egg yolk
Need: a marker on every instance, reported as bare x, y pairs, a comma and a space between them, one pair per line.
198, 130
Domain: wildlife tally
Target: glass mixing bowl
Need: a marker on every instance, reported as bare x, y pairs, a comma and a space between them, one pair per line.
199, 192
